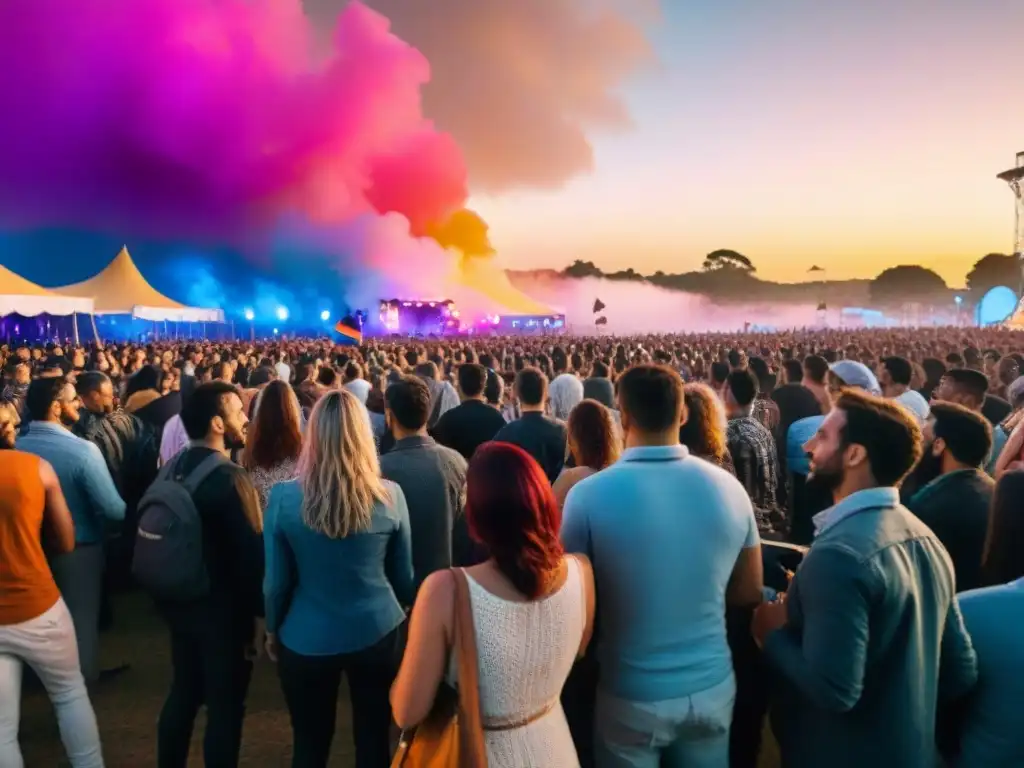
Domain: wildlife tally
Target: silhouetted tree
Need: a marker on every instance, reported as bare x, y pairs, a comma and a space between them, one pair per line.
722, 260
991, 271
665, 281
583, 269
907, 284
626, 274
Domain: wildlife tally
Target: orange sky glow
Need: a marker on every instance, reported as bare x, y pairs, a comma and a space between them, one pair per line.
853, 138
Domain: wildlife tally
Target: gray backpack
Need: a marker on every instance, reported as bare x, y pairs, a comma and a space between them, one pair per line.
168, 561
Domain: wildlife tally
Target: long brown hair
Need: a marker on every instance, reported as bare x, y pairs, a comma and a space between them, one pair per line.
593, 439
275, 435
703, 432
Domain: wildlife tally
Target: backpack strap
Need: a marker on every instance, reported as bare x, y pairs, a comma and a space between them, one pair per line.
206, 467
169, 470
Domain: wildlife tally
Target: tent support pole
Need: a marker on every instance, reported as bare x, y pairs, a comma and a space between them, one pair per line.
95, 333
74, 326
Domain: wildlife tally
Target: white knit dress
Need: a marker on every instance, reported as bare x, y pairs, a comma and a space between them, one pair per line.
525, 653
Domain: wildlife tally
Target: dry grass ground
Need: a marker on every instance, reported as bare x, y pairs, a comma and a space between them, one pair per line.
127, 707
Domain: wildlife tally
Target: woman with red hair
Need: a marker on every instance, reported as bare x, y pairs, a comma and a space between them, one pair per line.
533, 612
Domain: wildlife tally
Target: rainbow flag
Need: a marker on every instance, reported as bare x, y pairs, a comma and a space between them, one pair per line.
349, 329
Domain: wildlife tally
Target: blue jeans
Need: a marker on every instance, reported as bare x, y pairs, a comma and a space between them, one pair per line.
691, 732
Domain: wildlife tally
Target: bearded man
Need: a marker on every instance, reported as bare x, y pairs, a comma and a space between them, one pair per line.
214, 638
869, 638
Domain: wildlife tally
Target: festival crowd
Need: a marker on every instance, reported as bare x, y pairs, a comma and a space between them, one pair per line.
667, 541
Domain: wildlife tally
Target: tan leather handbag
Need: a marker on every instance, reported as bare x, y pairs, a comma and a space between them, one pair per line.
452, 736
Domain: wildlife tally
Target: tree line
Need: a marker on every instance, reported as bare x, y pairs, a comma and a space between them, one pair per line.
731, 275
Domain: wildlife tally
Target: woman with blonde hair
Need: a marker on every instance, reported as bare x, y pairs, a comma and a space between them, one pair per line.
703, 432
338, 574
593, 442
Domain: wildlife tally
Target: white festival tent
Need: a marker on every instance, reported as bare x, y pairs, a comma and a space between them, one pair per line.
120, 289
23, 297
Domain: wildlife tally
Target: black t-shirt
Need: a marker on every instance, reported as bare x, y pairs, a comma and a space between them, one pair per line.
995, 409
233, 547
956, 508
540, 436
468, 426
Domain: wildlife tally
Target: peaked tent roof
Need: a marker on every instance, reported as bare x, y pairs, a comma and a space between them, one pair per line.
23, 297
120, 289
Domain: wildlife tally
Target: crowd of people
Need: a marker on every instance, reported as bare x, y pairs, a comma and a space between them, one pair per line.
666, 540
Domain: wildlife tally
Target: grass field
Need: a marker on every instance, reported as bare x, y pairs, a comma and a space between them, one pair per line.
127, 707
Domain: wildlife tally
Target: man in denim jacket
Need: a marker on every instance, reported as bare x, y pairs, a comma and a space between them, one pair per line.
869, 639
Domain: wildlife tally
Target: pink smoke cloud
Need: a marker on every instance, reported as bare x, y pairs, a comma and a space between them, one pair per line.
521, 83
634, 307
210, 121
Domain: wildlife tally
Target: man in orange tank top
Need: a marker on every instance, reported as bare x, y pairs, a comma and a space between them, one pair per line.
35, 625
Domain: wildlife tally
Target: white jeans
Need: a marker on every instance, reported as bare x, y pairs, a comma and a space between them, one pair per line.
691, 732
47, 644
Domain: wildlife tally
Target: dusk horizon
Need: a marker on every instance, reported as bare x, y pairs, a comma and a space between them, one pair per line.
852, 138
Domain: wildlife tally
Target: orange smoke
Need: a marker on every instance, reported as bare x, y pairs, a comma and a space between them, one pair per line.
467, 234
464, 231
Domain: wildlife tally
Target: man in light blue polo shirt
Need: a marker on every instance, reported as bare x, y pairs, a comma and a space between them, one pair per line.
669, 536
92, 499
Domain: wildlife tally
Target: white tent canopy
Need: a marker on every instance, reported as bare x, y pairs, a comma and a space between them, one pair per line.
120, 289
23, 297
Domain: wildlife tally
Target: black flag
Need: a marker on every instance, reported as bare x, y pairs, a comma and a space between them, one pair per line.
602, 320
598, 305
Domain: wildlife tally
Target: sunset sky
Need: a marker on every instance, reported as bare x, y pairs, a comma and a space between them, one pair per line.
848, 134
852, 135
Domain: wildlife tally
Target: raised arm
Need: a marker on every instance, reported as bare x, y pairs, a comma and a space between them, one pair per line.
1011, 450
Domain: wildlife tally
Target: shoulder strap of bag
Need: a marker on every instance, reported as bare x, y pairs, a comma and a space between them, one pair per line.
167, 470
206, 468
471, 729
